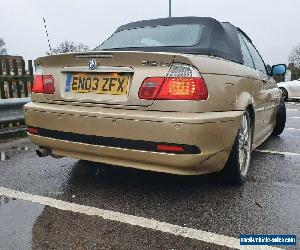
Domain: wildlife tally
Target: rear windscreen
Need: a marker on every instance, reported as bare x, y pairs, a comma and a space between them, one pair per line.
181, 35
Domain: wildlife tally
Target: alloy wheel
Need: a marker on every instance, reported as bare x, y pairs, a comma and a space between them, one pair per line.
244, 144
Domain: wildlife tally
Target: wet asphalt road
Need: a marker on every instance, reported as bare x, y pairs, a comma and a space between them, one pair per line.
268, 203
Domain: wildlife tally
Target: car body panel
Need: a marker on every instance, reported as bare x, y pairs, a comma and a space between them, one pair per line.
58, 66
197, 129
210, 125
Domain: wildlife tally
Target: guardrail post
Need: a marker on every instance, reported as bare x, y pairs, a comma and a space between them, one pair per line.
2, 90
25, 82
10, 88
16, 73
30, 69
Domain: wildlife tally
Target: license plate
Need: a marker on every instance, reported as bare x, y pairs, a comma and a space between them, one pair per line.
111, 84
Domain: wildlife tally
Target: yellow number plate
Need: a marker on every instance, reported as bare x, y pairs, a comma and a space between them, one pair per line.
111, 84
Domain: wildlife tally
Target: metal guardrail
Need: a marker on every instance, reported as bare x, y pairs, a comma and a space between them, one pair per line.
11, 110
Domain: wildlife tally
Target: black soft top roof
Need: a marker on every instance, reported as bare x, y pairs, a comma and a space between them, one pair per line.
218, 39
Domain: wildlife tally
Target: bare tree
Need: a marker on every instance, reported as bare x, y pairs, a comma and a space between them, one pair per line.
295, 56
69, 46
3, 50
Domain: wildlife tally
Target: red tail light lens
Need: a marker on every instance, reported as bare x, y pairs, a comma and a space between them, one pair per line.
43, 84
49, 87
173, 88
150, 87
183, 88
37, 86
183, 82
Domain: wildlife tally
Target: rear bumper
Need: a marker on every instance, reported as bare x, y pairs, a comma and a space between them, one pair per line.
212, 133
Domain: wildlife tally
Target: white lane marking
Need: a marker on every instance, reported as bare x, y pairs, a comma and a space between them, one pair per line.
2, 156
292, 103
294, 129
277, 152
294, 117
287, 185
288, 109
186, 232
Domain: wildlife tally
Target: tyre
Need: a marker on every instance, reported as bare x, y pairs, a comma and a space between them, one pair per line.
284, 94
280, 119
236, 168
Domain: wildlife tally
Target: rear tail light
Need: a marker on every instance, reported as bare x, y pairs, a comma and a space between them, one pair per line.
183, 82
187, 88
43, 84
150, 87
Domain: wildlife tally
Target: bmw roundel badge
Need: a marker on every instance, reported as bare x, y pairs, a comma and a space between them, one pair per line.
92, 64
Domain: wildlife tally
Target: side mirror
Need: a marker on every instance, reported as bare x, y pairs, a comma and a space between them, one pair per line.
278, 69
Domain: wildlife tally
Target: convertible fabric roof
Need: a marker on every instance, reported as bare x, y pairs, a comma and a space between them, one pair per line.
218, 39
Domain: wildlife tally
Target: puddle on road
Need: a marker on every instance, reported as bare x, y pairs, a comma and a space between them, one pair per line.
17, 219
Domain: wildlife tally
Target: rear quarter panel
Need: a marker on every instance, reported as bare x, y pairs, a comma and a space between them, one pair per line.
231, 86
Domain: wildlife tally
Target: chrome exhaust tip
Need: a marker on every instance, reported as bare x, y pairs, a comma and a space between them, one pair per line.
43, 152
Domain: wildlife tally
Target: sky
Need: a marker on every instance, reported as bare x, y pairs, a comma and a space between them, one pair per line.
273, 25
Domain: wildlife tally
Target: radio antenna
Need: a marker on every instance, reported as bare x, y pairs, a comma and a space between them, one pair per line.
47, 35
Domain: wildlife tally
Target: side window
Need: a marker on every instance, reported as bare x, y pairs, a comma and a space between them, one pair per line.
246, 54
258, 62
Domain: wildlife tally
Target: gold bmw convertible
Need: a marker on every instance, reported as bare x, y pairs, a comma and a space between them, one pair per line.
185, 95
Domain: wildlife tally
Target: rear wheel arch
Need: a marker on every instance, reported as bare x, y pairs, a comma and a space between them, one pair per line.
246, 102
